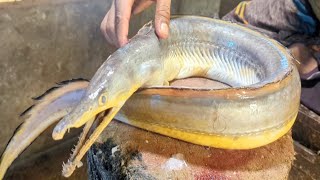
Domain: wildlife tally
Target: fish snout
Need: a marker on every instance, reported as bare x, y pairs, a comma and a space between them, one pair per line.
60, 129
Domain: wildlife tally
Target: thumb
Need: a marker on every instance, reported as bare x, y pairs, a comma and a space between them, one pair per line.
162, 18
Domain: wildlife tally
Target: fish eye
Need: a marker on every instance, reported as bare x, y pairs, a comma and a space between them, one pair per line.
102, 99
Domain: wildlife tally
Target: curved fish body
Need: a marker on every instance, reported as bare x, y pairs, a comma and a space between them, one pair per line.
257, 106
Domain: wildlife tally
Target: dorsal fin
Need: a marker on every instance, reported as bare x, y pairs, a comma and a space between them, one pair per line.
71, 80
62, 83
27, 110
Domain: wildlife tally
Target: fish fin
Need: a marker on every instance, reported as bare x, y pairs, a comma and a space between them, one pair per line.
53, 106
45, 93
72, 81
27, 110
59, 84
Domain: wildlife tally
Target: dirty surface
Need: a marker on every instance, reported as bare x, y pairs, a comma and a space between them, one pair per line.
106, 161
165, 157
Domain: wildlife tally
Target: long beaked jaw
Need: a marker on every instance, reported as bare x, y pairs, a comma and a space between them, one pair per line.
88, 137
75, 120
72, 163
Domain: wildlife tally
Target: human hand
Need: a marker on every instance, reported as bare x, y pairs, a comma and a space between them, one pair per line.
115, 25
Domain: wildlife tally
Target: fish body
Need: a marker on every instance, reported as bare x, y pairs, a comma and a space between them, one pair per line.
257, 105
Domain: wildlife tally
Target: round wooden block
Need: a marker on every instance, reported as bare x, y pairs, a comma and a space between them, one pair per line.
123, 151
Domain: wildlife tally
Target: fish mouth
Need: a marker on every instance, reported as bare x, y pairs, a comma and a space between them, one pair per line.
67, 122
77, 153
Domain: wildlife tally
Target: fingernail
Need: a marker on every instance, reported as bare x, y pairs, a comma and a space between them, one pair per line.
164, 28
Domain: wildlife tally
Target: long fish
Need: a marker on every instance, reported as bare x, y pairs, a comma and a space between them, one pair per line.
257, 104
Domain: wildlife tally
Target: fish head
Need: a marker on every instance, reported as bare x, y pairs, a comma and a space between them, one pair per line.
116, 80
104, 92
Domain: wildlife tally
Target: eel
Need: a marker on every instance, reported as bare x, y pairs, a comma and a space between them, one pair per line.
257, 104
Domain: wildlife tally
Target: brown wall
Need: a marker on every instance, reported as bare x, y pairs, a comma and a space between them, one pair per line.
43, 42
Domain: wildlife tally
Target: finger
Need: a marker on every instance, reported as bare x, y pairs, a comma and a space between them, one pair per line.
103, 24
122, 18
162, 18
110, 30
107, 26
103, 27
141, 5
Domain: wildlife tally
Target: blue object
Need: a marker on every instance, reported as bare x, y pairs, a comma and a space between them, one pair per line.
308, 22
